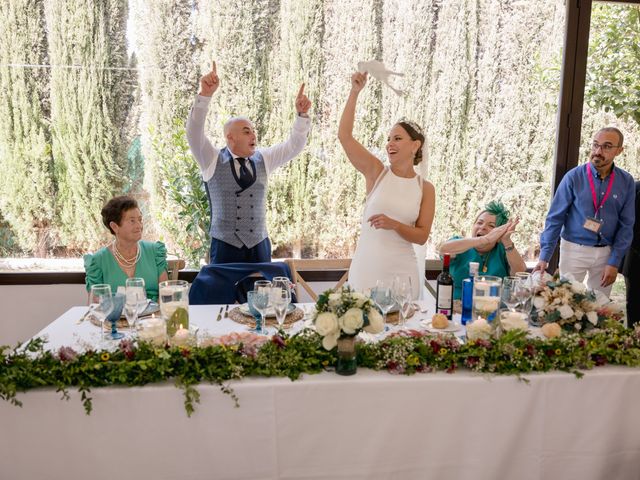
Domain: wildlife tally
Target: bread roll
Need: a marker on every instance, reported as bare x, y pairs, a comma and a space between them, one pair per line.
439, 320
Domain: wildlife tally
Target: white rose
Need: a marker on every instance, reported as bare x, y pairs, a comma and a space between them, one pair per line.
577, 326
565, 311
578, 287
376, 322
351, 321
592, 317
480, 329
330, 340
539, 302
326, 323
359, 298
334, 299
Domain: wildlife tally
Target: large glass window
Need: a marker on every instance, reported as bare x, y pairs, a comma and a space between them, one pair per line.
95, 103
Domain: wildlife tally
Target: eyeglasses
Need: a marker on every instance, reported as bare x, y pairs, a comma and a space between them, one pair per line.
605, 147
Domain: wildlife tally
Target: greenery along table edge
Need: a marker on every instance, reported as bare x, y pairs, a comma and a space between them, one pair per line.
236, 356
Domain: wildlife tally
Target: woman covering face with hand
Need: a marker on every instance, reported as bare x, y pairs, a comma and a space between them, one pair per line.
490, 245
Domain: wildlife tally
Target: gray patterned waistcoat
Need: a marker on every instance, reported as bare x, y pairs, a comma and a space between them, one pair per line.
238, 216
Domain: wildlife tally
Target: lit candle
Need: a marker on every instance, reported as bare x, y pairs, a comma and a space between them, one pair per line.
153, 330
514, 320
181, 337
478, 329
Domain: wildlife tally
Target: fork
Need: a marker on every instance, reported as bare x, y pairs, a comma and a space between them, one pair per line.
226, 311
219, 317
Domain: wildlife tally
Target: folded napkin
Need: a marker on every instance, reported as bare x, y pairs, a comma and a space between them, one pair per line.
376, 69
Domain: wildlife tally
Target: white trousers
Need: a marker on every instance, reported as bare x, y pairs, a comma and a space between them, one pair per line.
579, 260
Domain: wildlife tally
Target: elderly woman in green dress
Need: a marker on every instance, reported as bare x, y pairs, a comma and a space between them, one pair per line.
490, 245
127, 255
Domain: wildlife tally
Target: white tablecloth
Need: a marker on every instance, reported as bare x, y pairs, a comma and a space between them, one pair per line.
370, 426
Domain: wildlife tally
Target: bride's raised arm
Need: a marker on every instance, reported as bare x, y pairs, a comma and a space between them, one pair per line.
363, 160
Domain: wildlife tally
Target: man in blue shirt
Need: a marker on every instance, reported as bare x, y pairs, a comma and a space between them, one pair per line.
593, 212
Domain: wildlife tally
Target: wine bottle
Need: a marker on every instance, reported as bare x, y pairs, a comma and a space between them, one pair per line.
444, 290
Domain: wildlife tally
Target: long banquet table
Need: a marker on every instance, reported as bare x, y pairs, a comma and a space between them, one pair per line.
370, 426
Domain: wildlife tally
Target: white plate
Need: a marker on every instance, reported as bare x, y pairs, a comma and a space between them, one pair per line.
453, 327
244, 308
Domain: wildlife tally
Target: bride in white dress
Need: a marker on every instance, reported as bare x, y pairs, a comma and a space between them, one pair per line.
400, 204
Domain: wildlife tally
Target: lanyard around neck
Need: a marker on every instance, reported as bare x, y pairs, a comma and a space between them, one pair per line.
593, 189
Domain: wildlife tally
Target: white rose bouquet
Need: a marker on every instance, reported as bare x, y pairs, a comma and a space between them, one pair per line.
571, 305
343, 314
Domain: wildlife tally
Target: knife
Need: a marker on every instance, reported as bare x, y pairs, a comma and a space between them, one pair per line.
219, 317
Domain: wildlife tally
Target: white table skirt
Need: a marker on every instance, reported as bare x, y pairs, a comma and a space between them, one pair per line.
369, 426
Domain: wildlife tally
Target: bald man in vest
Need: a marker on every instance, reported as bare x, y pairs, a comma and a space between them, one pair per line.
236, 176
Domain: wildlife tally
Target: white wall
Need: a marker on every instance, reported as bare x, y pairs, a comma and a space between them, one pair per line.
27, 309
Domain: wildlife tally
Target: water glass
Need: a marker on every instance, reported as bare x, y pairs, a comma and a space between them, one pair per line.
510, 290
101, 303
381, 294
281, 282
135, 300
280, 302
259, 300
402, 294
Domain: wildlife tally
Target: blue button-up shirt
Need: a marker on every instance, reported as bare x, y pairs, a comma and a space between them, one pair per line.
573, 203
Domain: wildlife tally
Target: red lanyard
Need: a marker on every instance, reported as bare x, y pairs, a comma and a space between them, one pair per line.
593, 189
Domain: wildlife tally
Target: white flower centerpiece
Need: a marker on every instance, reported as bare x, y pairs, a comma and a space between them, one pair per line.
572, 305
344, 314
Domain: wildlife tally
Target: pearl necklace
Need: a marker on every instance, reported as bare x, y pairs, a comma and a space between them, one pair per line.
125, 262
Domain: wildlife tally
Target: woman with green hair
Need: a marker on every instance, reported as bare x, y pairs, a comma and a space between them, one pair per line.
490, 245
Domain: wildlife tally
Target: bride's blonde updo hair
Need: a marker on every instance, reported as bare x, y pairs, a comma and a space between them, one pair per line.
415, 132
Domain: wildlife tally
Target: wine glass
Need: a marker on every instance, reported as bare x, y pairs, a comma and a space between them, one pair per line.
135, 300
524, 293
280, 302
101, 303
510, 286
259, 301
402, 294
282, 282
381, 295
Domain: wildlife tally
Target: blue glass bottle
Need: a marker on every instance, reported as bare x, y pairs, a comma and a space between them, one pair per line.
467, 293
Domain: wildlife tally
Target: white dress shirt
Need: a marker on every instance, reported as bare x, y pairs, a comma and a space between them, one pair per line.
206, 154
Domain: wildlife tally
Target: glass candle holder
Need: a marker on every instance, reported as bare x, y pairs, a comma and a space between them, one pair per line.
174, 305
486, 297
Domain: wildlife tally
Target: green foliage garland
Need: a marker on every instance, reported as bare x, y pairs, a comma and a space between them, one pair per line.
31, 366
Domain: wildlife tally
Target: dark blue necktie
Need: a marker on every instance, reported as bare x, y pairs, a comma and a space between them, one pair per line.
246, 177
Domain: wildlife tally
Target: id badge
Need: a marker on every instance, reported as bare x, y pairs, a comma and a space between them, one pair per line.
593, 224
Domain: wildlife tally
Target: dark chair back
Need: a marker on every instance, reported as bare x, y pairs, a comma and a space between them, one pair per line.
230, 282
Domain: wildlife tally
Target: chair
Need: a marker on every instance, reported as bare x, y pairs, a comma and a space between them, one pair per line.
174, 266
296, 265
228, 282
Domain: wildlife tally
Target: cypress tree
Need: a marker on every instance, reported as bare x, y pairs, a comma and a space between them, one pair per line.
165, 45
26, 188
89, 104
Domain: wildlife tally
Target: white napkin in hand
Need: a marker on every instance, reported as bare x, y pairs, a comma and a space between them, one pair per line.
377, 70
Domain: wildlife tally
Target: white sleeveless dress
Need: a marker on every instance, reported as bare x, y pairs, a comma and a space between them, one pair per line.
382, 254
